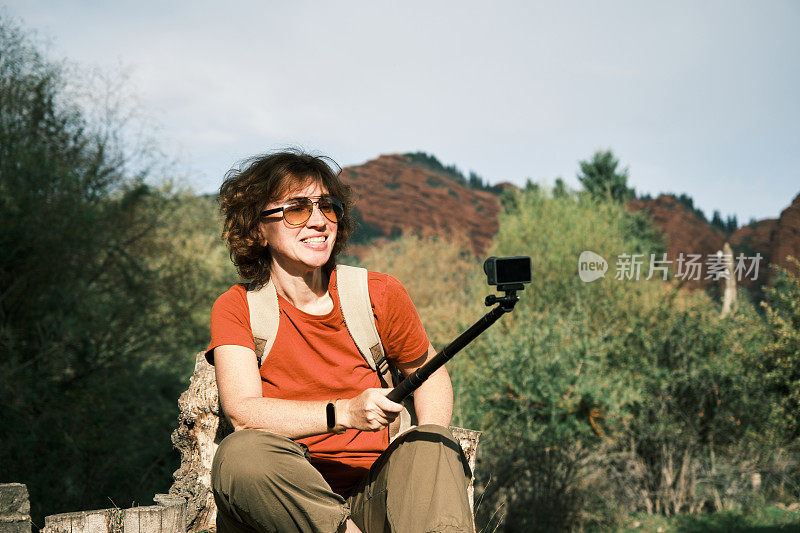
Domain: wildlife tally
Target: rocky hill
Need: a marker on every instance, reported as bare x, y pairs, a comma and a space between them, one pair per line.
398, 193
686, 231
786, 236
774, 239
414, 192
683, 229
755, 237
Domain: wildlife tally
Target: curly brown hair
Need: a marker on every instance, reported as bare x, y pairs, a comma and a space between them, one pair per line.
266, 178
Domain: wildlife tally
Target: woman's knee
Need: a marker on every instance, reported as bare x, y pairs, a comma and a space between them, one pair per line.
249, 456
430, 433
264, 481
436, 429
435, 443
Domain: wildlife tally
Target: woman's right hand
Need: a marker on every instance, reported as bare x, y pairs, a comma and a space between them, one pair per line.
369, 411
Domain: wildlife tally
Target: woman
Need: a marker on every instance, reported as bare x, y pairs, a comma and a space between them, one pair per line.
287, 216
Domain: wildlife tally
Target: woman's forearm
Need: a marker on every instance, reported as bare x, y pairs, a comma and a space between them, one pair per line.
291, 418
369, 411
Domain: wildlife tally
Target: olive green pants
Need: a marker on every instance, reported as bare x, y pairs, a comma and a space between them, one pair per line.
264, 483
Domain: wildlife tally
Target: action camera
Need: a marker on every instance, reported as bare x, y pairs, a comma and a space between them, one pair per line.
505, 271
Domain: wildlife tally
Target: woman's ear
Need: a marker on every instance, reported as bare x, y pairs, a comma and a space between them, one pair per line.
262, 235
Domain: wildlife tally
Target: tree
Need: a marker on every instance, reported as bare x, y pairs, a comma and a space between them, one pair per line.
560, 189
475, 181
600, 177
101, 280
727, 225
716, 220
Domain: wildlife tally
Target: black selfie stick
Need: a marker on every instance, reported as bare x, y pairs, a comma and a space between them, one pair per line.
505, 304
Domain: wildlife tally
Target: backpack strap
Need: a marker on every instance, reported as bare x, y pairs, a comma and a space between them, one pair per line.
352, 284
264, 318
353, 289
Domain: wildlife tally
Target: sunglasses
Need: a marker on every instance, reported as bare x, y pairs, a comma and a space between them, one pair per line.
297, 211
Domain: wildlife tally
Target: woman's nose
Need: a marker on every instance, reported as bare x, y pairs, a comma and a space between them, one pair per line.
317, 218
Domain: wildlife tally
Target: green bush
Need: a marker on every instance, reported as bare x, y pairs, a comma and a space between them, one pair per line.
599, 399
780, 363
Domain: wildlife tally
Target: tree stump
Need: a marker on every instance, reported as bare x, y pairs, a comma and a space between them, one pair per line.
200, 430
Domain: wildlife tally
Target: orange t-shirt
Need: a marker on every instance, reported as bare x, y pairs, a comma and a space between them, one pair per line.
314, 358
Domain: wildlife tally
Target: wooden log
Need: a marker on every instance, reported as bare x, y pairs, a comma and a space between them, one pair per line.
15, 524
15, 508
14, 499
167, 517
201, 427
173, 517
149, 519
132, 521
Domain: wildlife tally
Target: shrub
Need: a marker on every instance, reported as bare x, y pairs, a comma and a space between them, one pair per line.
780, 363
611, 396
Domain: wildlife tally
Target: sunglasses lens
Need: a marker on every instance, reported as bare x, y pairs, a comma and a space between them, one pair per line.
331, 207
298, 211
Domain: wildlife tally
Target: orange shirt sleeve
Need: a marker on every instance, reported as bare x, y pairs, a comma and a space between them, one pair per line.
230, 321
396, 319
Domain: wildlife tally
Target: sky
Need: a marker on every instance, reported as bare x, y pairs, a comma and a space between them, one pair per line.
692, 97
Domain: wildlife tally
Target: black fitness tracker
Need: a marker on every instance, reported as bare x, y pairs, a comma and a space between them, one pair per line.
330, 411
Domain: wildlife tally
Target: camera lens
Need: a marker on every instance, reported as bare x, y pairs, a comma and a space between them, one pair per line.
488, 266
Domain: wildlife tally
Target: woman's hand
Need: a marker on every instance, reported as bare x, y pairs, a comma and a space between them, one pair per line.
369, 411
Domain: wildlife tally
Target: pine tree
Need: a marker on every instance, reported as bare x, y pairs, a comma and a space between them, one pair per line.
600, 177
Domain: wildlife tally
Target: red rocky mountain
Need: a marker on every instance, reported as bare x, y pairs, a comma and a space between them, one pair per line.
686, 231
399, 193
785, 238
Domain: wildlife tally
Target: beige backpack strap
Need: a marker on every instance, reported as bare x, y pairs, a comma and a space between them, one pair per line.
356, 309
264, 318
353, 288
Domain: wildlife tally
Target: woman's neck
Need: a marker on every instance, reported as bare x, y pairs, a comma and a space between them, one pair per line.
307, 291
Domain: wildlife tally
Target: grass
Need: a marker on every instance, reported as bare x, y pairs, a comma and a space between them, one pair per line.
768, 519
